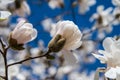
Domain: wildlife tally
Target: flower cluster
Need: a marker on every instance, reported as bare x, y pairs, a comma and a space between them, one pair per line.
70, 50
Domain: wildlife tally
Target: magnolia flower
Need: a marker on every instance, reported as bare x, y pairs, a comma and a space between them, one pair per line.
84, 5
47, 24
23, 33
55, 4
104, 19
116, 14
110, 56
116, 2
20, 8
66, 37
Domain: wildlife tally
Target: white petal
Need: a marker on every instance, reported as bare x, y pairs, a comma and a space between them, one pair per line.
111, 73
34, 34
102, 59
118, 73
20, 24
26, 7
4, 15
70, 58
100, 8
107, 44
108, 55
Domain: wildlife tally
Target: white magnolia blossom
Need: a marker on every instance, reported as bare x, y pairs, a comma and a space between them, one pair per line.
84, 5
4, 3
69, 31
47, 23
55, 3
23, 10
104, 19
116, 14
116, 2
110, 56
24, 32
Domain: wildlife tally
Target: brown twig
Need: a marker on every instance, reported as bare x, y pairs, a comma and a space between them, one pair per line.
30, 58
4, 54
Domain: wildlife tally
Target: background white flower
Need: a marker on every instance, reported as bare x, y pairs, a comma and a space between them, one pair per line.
84, 5
23, 10
103, 19
55, 3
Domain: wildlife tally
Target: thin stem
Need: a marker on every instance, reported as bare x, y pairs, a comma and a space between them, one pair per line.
4, 54
97, 28
1, 51
30, 58
6, 67
3, 45
2, 77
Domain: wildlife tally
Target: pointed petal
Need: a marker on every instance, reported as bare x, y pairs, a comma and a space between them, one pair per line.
102, 59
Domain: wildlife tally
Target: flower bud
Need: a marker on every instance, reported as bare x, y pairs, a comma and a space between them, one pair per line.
57, 43
23, 33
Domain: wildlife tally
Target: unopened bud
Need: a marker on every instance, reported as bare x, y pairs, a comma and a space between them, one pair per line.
57, 43
14, 44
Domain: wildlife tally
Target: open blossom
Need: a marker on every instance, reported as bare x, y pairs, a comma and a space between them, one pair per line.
116, 14
103, 21
84, 5
110, 56
24, 32
66, 37
20, 8
55, 4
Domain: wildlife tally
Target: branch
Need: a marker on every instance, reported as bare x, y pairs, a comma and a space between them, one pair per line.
30, 58
97, 28
3, 45
2, 77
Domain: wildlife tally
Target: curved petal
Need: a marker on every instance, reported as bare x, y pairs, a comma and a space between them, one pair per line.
34, 34
107, 44
70, 58
20, 24
26, 7
111, 73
